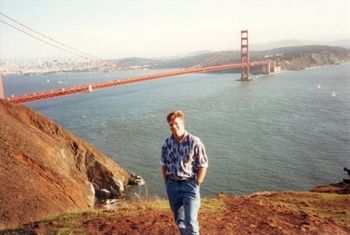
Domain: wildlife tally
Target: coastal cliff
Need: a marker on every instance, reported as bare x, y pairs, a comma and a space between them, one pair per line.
45, 170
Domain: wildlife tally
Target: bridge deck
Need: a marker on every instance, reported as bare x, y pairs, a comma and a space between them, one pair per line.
36, 96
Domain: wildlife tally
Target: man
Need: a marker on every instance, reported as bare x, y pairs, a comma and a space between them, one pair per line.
184, 163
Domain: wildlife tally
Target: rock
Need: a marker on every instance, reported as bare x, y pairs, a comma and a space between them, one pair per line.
45, 170
136, 180
341, 188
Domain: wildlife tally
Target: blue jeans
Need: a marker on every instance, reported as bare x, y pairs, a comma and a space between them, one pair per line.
184, 199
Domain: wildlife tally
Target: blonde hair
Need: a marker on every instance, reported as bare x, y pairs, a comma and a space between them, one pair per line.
175, 114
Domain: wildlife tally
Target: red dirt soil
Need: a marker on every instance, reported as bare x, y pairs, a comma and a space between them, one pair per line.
262, 213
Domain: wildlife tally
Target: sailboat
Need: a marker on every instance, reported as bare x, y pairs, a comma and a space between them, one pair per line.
333, 94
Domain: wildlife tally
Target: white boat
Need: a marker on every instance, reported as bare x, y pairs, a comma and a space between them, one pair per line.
333, 94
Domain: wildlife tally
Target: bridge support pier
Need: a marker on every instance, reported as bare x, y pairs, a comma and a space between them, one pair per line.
244, 56
90, 88
2, 95
272, 66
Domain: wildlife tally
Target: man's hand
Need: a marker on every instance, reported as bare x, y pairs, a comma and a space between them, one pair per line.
164, 172
201, 175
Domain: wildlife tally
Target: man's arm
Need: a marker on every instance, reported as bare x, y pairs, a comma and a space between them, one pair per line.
164, 172
201, 175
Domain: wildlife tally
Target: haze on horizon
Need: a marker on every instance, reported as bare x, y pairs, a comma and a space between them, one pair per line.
156, 28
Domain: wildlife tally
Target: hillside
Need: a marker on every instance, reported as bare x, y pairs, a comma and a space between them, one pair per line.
260, 213
345, 43
289, 58
45, 170
297, 58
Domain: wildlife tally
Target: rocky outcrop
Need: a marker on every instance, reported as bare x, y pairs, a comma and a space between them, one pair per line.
341, 188
45, 170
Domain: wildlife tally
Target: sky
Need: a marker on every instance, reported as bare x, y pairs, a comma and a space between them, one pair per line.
112, 29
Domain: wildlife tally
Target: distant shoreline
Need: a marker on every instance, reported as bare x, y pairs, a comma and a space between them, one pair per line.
63, 72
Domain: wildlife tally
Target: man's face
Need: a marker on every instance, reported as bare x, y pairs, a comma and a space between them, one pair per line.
177, 127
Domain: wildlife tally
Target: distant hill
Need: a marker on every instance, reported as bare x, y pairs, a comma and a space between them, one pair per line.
138, 61
295, 43
277, 44
340, 43
297, 58
289, 58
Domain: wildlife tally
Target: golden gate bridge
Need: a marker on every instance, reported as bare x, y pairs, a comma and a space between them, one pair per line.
203, 67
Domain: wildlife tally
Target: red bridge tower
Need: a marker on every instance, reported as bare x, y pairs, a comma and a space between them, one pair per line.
244, 56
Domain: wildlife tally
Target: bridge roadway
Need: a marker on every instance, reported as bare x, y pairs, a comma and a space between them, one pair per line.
36, 96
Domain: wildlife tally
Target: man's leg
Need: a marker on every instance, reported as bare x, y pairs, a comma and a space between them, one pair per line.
192, 202
176, 203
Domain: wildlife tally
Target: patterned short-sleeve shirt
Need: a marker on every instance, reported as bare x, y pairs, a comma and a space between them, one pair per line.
184, 158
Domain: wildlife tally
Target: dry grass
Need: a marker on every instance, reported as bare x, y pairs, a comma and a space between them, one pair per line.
326, 205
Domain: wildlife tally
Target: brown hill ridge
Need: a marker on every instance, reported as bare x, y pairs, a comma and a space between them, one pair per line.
260, 213
45, 170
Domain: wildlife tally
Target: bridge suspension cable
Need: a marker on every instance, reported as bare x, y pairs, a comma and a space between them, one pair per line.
213, 59
46, 39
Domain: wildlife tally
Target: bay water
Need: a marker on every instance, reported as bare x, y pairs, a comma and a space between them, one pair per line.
275, 133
